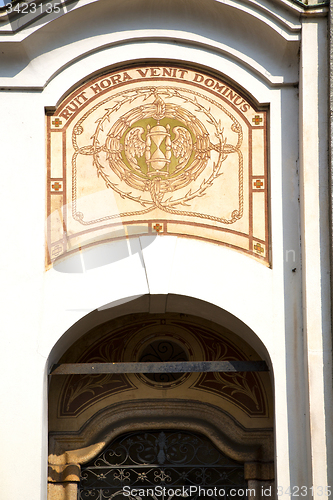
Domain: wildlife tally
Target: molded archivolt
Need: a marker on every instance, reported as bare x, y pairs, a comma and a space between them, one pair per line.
254, 449
157, 304
233, 439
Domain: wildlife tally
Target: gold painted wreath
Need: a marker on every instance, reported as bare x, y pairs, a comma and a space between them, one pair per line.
159, 147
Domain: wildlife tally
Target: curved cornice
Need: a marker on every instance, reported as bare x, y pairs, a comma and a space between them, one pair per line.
283, 16
185, 39
43, 69
44, 47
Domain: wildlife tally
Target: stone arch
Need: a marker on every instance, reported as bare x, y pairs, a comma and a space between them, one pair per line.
157, 303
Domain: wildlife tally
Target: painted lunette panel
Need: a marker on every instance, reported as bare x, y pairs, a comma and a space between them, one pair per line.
157, 150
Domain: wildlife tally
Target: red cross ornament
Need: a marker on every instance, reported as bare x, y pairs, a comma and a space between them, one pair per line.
258, 184
57, 122
257, 120
56, 250
56, 186
258, 248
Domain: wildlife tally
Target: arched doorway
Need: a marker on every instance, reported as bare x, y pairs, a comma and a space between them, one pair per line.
233, 411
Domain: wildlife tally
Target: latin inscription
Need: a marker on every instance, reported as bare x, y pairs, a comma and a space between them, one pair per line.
118, 79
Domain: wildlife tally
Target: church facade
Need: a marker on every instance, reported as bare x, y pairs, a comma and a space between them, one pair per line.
166, 250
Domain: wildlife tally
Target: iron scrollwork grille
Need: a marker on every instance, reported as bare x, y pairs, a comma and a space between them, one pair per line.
150, 461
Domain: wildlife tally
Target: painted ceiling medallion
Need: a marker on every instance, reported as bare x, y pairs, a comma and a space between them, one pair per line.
161, 350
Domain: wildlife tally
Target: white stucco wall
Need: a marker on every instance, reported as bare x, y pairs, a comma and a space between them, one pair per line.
288, 310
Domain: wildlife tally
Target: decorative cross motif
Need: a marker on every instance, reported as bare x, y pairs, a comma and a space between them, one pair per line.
258, 184
157, 227
56, 250
257, 120
57, 122
258, 248
56, 186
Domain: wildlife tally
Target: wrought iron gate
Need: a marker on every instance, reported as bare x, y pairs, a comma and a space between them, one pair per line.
159, 465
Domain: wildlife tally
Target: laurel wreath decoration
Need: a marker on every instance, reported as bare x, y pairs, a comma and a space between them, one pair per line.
126, 144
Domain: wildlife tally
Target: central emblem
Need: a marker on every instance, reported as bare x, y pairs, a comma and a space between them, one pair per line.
157, 162
160, 148
155, 142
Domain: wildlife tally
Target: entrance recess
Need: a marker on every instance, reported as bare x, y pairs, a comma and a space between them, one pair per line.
167, 400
